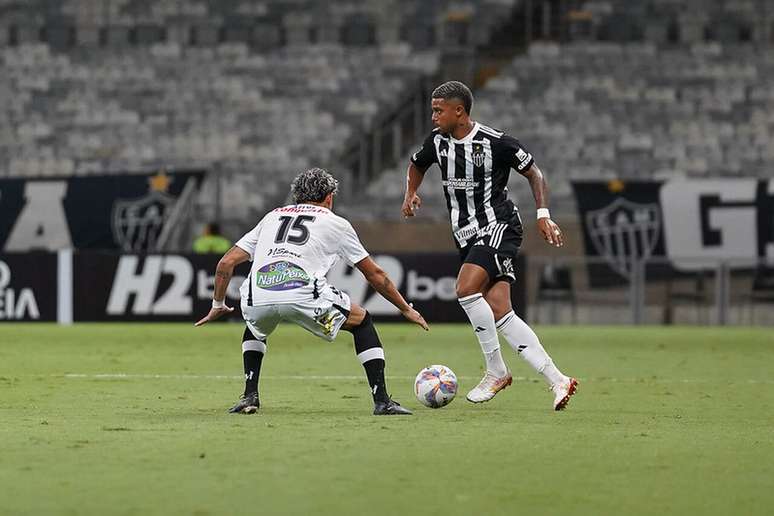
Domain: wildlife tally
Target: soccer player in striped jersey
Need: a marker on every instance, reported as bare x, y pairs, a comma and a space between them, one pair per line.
475, 162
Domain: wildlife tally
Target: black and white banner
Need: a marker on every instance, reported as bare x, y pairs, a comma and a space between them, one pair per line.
106, 286
128, 212
693, 223
28, 287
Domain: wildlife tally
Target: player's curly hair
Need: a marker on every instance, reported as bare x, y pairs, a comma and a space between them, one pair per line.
313, 185
455, 90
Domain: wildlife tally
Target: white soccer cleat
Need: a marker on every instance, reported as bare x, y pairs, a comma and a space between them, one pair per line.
488, 387
563, 391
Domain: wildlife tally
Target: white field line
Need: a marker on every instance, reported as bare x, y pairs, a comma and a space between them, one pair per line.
133, 376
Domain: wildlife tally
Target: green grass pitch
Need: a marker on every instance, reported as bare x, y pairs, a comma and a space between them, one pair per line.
130, 420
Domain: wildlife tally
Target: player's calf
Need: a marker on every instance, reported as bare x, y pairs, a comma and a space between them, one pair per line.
371, 355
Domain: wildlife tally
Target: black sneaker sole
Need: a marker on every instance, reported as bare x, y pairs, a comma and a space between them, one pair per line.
406, 413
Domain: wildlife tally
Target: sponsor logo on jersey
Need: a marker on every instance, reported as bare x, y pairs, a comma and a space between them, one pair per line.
301, 208
281, 275
460, 184
524, 158
466, 233
281, 251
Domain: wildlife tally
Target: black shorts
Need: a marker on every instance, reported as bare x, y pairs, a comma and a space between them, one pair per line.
496, 251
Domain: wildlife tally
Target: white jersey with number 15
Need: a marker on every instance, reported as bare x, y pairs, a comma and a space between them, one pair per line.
292, 249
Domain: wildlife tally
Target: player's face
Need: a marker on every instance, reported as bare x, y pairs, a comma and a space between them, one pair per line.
446, 114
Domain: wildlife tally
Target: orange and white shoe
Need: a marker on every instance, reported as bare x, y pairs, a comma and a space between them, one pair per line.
563, 391
488, 387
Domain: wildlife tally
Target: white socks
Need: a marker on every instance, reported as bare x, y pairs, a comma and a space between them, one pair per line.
520, 336
481, 317
524, 342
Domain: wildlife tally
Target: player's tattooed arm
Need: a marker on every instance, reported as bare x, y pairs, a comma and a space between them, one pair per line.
548, 228
379, 280
225, 270
223, 274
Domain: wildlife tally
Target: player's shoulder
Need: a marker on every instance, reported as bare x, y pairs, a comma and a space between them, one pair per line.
497, 137
431, 136
341, 221
491, 132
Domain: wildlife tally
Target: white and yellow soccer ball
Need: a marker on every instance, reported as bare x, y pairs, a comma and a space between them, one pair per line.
435, 386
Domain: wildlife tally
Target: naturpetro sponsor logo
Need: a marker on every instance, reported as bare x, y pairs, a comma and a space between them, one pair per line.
281, 276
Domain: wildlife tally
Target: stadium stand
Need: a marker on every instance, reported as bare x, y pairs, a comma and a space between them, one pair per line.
591, 110
261, 89
256, 89
635, 105
267, 22
674, 21
638, 111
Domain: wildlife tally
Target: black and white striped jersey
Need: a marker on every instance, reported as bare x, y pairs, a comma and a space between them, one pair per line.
474, 176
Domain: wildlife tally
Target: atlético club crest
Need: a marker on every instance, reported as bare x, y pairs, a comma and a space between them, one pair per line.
138, 223
624, 231
478, 155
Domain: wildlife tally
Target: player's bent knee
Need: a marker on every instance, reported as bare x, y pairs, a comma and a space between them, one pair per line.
472, 280
355, 318
468, 288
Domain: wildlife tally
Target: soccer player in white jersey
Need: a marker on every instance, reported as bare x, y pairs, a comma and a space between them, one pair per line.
475, 162
292, 249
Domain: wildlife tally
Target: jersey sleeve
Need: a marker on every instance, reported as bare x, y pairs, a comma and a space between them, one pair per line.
249, 241
515, 155
350, 247
426, 155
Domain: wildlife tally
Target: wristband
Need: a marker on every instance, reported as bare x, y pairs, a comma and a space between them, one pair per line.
542, 213
218, 304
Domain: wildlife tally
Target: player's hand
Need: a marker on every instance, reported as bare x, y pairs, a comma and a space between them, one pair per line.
415, 317
410, 205
550, 231
215, 313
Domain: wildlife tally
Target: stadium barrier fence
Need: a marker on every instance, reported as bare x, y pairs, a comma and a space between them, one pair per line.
73, 286
79, 286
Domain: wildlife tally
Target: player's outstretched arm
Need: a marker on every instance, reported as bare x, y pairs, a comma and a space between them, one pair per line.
223, 273
378, 279
547, 227
412, 201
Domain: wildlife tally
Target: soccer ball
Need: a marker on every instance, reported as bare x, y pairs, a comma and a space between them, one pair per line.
435, 386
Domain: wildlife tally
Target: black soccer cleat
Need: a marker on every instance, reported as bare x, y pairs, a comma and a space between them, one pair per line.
390, 408
247, 404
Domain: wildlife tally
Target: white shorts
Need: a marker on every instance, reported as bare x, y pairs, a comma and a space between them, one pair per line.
322, 316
